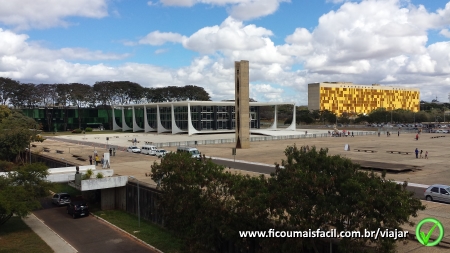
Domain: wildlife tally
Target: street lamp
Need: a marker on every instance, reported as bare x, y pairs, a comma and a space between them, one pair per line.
391, 116
139, 209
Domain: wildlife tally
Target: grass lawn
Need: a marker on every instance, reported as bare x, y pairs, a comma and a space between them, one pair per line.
17, 237
148, 232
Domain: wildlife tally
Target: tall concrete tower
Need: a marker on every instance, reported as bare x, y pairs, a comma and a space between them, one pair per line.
242, 106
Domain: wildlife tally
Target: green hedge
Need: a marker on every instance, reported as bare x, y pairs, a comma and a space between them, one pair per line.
88, 129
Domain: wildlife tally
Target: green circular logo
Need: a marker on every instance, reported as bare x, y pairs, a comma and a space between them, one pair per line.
424, 238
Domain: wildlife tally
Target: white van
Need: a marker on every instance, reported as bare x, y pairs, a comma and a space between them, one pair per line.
148, 150
193, 151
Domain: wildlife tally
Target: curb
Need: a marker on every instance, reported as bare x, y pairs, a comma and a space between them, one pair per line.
123, 231
62, 239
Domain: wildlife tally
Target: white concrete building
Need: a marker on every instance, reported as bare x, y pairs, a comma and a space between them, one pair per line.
190, 117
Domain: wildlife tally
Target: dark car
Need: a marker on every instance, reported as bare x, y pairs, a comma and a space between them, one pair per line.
61, 199
78, 208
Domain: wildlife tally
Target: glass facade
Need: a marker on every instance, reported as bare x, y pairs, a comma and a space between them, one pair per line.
204, 117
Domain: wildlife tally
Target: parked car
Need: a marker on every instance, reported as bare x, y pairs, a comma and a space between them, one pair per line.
193, 151
441, 131
78, 208
134, 149
61, 199
438, 192
161, 153
148, 150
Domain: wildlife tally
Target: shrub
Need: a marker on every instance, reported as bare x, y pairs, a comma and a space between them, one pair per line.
99, 175
76, 131
88, 129
88, 174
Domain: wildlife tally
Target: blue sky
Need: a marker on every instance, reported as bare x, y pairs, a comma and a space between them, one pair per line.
195, 42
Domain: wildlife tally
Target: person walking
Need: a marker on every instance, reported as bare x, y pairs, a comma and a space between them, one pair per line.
417, 137
417, 153
102, 161
90, 159
352, 134
421, 151
398, 133
426, 154
97, 160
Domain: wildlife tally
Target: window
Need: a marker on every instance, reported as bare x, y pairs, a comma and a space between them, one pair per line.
435, 189
443, 191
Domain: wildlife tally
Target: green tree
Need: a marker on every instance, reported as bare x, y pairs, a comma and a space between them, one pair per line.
7, 89
331, 192
16, 133
22, 189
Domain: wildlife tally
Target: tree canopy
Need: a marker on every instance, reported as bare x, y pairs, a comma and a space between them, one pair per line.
21, 190
208, 206
100, 94
16, 133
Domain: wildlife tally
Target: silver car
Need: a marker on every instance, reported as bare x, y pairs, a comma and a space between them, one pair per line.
61, 199
438, 192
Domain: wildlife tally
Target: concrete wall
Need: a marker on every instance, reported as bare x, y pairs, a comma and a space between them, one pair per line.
108, 199
70, 176
71, 169
242, 104
314, 96
103, 183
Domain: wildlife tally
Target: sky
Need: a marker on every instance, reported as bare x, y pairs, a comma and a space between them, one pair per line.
289, 43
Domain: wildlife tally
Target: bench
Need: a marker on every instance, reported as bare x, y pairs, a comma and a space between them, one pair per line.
96, 137
370, 151
60, 151
116, 136
33, 145
46, 150
133, 141
81, 159
76, 156
357, 150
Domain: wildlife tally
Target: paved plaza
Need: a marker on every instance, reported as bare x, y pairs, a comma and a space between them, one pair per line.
435, 169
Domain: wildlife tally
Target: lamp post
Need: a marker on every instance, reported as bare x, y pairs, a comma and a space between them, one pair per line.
391, 116
139, 209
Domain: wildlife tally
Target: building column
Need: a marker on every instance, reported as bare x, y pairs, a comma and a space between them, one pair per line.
125, 127
136, 127
275, 119
115, 126
147, 127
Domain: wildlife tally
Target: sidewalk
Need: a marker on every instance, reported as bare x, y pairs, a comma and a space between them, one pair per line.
58, 244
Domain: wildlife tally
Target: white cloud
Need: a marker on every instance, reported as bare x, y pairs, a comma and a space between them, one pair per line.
445, 33
157, 38
230, 35
161, 51
184, 3
238, 9
16, 46
26, 14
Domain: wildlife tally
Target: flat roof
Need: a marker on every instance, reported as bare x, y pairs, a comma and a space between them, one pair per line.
363, 86
209, 103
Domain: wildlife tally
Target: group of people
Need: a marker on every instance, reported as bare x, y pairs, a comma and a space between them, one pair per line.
97, 159
421, 153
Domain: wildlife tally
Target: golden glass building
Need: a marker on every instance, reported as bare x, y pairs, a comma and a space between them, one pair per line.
347, 97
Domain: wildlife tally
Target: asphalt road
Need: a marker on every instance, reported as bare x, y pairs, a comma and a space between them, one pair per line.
418, 191
88, 234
